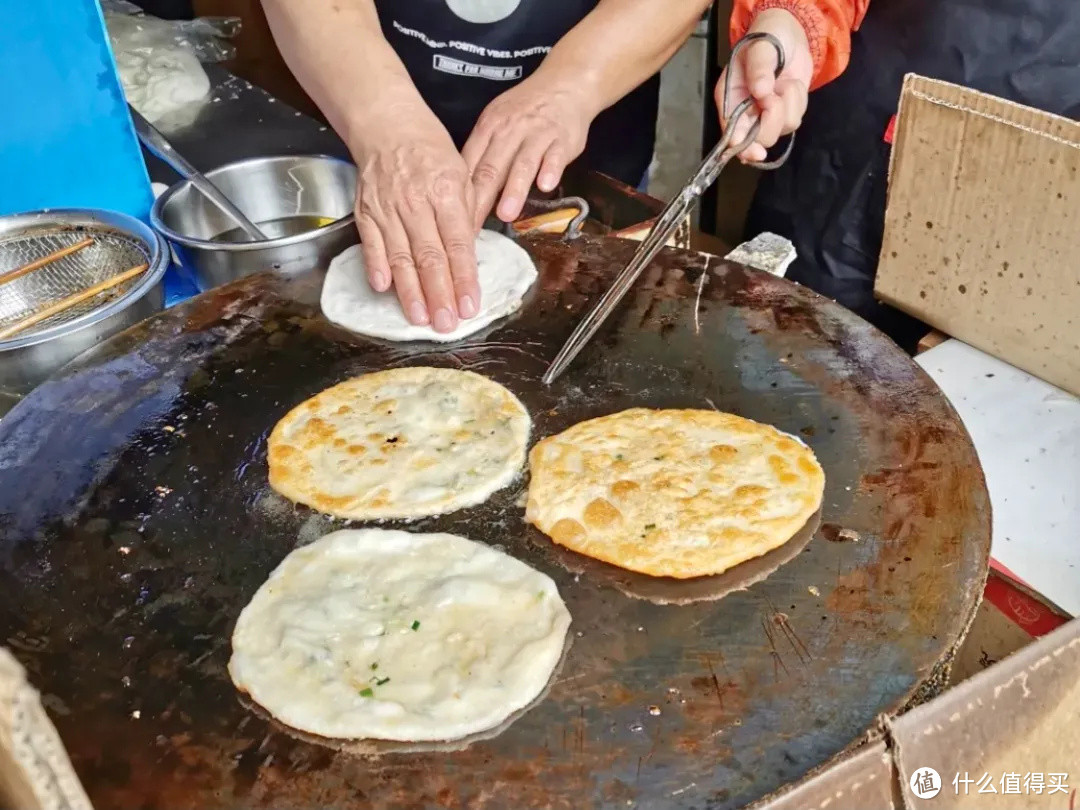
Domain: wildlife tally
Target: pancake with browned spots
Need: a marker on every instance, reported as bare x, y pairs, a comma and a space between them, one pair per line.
675, 493
403, 443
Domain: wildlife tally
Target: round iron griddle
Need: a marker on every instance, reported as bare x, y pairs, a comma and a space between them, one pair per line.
136, 522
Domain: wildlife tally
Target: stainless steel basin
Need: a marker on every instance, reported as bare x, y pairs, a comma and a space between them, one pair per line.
286, 196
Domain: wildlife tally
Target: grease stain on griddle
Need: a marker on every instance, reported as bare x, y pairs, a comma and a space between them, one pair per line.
838, 534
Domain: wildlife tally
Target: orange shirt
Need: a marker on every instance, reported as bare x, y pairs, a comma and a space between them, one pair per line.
828, 25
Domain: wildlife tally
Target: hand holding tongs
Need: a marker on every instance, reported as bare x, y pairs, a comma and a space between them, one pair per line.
679, 207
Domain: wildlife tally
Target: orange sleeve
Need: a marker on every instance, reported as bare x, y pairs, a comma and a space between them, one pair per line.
828, 25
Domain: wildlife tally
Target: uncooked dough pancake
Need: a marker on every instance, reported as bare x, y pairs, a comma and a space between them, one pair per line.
504, 271
675, 493
370, 633
404, 443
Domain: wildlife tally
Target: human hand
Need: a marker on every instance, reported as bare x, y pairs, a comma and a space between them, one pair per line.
530, 132
414, 211
780, 101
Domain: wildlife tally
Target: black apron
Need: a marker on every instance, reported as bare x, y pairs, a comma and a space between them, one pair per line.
829, 198
461, 54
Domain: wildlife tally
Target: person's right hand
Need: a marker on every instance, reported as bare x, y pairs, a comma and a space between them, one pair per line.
414, 211
781, 101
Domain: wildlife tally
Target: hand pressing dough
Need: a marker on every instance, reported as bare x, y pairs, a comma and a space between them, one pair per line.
370, 633
504, 270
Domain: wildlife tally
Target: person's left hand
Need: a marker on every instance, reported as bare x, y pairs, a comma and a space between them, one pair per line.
530, 132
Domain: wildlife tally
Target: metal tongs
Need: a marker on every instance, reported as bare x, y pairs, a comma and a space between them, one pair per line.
676, 211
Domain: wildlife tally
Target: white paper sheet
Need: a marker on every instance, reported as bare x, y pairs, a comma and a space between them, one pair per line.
1027, 435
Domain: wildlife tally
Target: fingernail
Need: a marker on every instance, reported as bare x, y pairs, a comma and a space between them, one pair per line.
547, 182
508, 208
418, 313
466, 306
444, 321
381, 282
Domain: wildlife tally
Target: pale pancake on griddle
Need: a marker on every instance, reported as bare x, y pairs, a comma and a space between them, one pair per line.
378, 634
675, 493
404, 443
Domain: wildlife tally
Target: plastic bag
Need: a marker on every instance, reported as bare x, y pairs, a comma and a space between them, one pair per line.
159, 61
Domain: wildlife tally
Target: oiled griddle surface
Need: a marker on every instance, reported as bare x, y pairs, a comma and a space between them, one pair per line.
136, 522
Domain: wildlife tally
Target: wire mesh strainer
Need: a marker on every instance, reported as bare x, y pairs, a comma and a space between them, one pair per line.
110, 253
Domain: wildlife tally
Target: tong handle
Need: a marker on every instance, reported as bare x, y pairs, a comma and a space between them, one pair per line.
573, 229
522, 227
679, 207
747, 103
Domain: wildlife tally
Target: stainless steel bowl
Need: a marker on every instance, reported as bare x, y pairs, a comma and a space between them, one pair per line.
27, 359
284, 196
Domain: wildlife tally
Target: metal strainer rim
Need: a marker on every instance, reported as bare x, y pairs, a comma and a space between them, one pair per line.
57, 218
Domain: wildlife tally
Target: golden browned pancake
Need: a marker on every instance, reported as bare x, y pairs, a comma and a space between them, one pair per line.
675, 493
403, 443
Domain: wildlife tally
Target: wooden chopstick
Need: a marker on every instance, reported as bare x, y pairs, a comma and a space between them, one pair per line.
19, 272
70, 301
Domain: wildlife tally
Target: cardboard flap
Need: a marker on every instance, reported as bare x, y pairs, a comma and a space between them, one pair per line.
982, 227
1010, 730
865, 779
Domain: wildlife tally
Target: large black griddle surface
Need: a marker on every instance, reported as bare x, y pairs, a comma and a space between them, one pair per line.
136, 522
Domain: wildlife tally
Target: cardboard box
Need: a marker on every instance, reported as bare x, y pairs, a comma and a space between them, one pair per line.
982, 227
1011, 727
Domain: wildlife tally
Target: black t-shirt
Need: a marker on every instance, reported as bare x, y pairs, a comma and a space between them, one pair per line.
461, 54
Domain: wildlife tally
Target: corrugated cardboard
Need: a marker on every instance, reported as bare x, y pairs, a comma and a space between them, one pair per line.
982, 228
1001, 729
1001, 739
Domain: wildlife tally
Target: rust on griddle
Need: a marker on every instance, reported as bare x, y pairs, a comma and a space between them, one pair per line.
136, 522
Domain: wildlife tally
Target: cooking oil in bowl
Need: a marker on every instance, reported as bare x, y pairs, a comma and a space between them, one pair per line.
278, 228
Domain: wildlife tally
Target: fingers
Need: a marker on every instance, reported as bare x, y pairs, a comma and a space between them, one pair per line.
472, 153
371, 243
795, 96
520, 177
489, 171
759, 67
452, 217
510, 163
737, 93
406, 281
780, 103
431, 264
759, 77
781, 115
772, 120
754, 153
425, 245
552, 168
